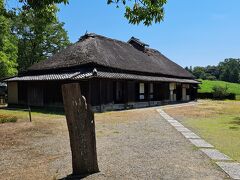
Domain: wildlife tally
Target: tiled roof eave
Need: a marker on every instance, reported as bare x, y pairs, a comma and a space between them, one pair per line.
113, 75
100, 74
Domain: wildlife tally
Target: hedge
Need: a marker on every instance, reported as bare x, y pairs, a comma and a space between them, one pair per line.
207, 95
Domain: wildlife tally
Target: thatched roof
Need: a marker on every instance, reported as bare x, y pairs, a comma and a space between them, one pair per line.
99, 50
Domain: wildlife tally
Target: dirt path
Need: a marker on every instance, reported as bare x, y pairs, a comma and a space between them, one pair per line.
135, 144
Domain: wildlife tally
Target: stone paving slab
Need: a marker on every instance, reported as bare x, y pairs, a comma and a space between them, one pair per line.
169, 119
190, 135
182, 129
161, 111
231, 168
175, 124
200, 143
216, 155
172, 121
166, 117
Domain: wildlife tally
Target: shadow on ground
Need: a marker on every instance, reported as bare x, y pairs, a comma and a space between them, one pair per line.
76, 177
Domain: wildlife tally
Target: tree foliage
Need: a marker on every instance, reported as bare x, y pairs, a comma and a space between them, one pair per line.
230, 70
227, 70
137, 11
146, 11
8, 48
39, 34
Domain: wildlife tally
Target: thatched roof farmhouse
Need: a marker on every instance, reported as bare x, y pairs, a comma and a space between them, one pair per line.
112, 74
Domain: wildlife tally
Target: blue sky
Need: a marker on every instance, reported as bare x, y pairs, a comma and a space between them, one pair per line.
194, 32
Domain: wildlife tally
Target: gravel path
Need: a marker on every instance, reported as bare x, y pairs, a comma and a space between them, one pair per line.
136, 144
150, 148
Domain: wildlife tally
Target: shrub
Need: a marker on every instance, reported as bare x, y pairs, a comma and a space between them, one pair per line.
220, 92
211, 77
231, 96
205, 95
6, 119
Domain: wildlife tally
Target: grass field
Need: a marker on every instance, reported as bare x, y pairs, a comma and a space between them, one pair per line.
7, 118
207, 86
216, 121
22, 115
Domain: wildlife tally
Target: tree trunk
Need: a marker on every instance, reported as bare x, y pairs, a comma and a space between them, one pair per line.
81, 127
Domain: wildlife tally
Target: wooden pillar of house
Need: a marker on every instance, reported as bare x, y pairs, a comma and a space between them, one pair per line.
100, 94
172, 89
89, 91
148, 93
125, 94
195, 87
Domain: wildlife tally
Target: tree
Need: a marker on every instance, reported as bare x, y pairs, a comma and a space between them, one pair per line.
234, 76
199, 72
146, 11
189, 69
212, 71
225, 75
211, 77
39, 34
8, 48
229, 70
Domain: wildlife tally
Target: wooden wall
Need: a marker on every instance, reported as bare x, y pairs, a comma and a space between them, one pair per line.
44, 93
35, 94
161, 91
131, 92
96, 91
13, 92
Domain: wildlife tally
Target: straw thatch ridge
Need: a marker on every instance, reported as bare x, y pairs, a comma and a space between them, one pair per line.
111, 53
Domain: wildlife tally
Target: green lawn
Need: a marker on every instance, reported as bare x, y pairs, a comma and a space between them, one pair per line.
207, 86
218, 122
223, 132
36, 114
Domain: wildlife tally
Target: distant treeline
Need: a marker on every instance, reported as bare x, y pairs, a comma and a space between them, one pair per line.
228, 70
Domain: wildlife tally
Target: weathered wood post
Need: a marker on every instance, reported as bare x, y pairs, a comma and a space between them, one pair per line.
29, 113
81, 127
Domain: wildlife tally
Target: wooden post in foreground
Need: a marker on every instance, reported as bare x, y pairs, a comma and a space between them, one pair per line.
81, 127
29, 113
